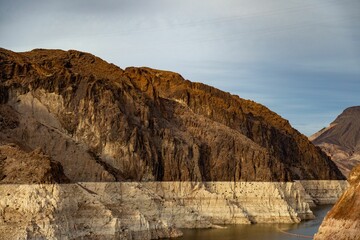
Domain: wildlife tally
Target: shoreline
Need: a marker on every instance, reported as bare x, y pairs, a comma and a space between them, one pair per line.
149, 210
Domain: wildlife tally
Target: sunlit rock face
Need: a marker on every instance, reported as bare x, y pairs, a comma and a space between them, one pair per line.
103, 123
343, 220
341, 140
149, 210
91, 151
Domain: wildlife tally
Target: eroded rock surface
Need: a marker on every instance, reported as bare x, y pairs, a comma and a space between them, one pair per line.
149, 210
147, 152
103, 123
17, 166
343, 220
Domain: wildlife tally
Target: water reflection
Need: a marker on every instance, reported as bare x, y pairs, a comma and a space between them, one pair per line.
261, 231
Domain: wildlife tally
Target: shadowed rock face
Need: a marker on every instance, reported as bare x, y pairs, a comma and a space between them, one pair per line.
341, 140
19, 164
18, 167
103, 123
343, 220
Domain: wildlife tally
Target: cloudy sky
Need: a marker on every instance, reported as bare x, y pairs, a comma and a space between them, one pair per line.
300, 58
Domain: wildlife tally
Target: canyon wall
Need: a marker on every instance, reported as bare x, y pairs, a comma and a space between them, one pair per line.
144, 152
103, 123
343, 220
149, 210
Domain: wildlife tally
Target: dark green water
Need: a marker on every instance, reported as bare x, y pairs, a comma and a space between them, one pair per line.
260, 231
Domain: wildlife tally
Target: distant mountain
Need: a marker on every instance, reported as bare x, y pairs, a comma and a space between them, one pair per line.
103, 123
341, 140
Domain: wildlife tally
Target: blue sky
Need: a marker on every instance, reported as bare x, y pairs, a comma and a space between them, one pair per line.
299, 58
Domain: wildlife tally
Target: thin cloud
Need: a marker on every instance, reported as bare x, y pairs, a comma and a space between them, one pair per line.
299, 58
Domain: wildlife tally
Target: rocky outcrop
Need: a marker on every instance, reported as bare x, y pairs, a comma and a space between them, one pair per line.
147, 210
17, 166
341, 140
103, 123
325, 191
343, 220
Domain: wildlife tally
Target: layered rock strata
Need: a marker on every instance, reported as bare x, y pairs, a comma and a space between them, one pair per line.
147, 210
343, 220
325, 191
103, 123
341, 139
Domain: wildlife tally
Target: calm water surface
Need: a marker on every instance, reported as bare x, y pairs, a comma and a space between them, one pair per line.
260, 231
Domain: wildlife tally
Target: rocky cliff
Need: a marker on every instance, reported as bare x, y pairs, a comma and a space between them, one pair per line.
150, 210
343, 220
341, 140
103, 123
146, 151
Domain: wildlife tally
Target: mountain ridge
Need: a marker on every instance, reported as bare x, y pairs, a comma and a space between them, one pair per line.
341, 140
146, 124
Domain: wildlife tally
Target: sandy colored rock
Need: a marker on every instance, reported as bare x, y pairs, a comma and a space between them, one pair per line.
17, 166
145, 210
343, 220
325, 191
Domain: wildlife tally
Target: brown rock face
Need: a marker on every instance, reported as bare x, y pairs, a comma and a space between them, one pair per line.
17, 167
341, 140
343, 220
18, 163
103, 123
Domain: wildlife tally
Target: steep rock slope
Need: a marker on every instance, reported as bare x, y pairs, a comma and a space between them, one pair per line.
343, 220
103, 123
341, 140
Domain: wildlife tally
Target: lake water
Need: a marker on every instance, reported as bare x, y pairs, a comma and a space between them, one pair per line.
261, 231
